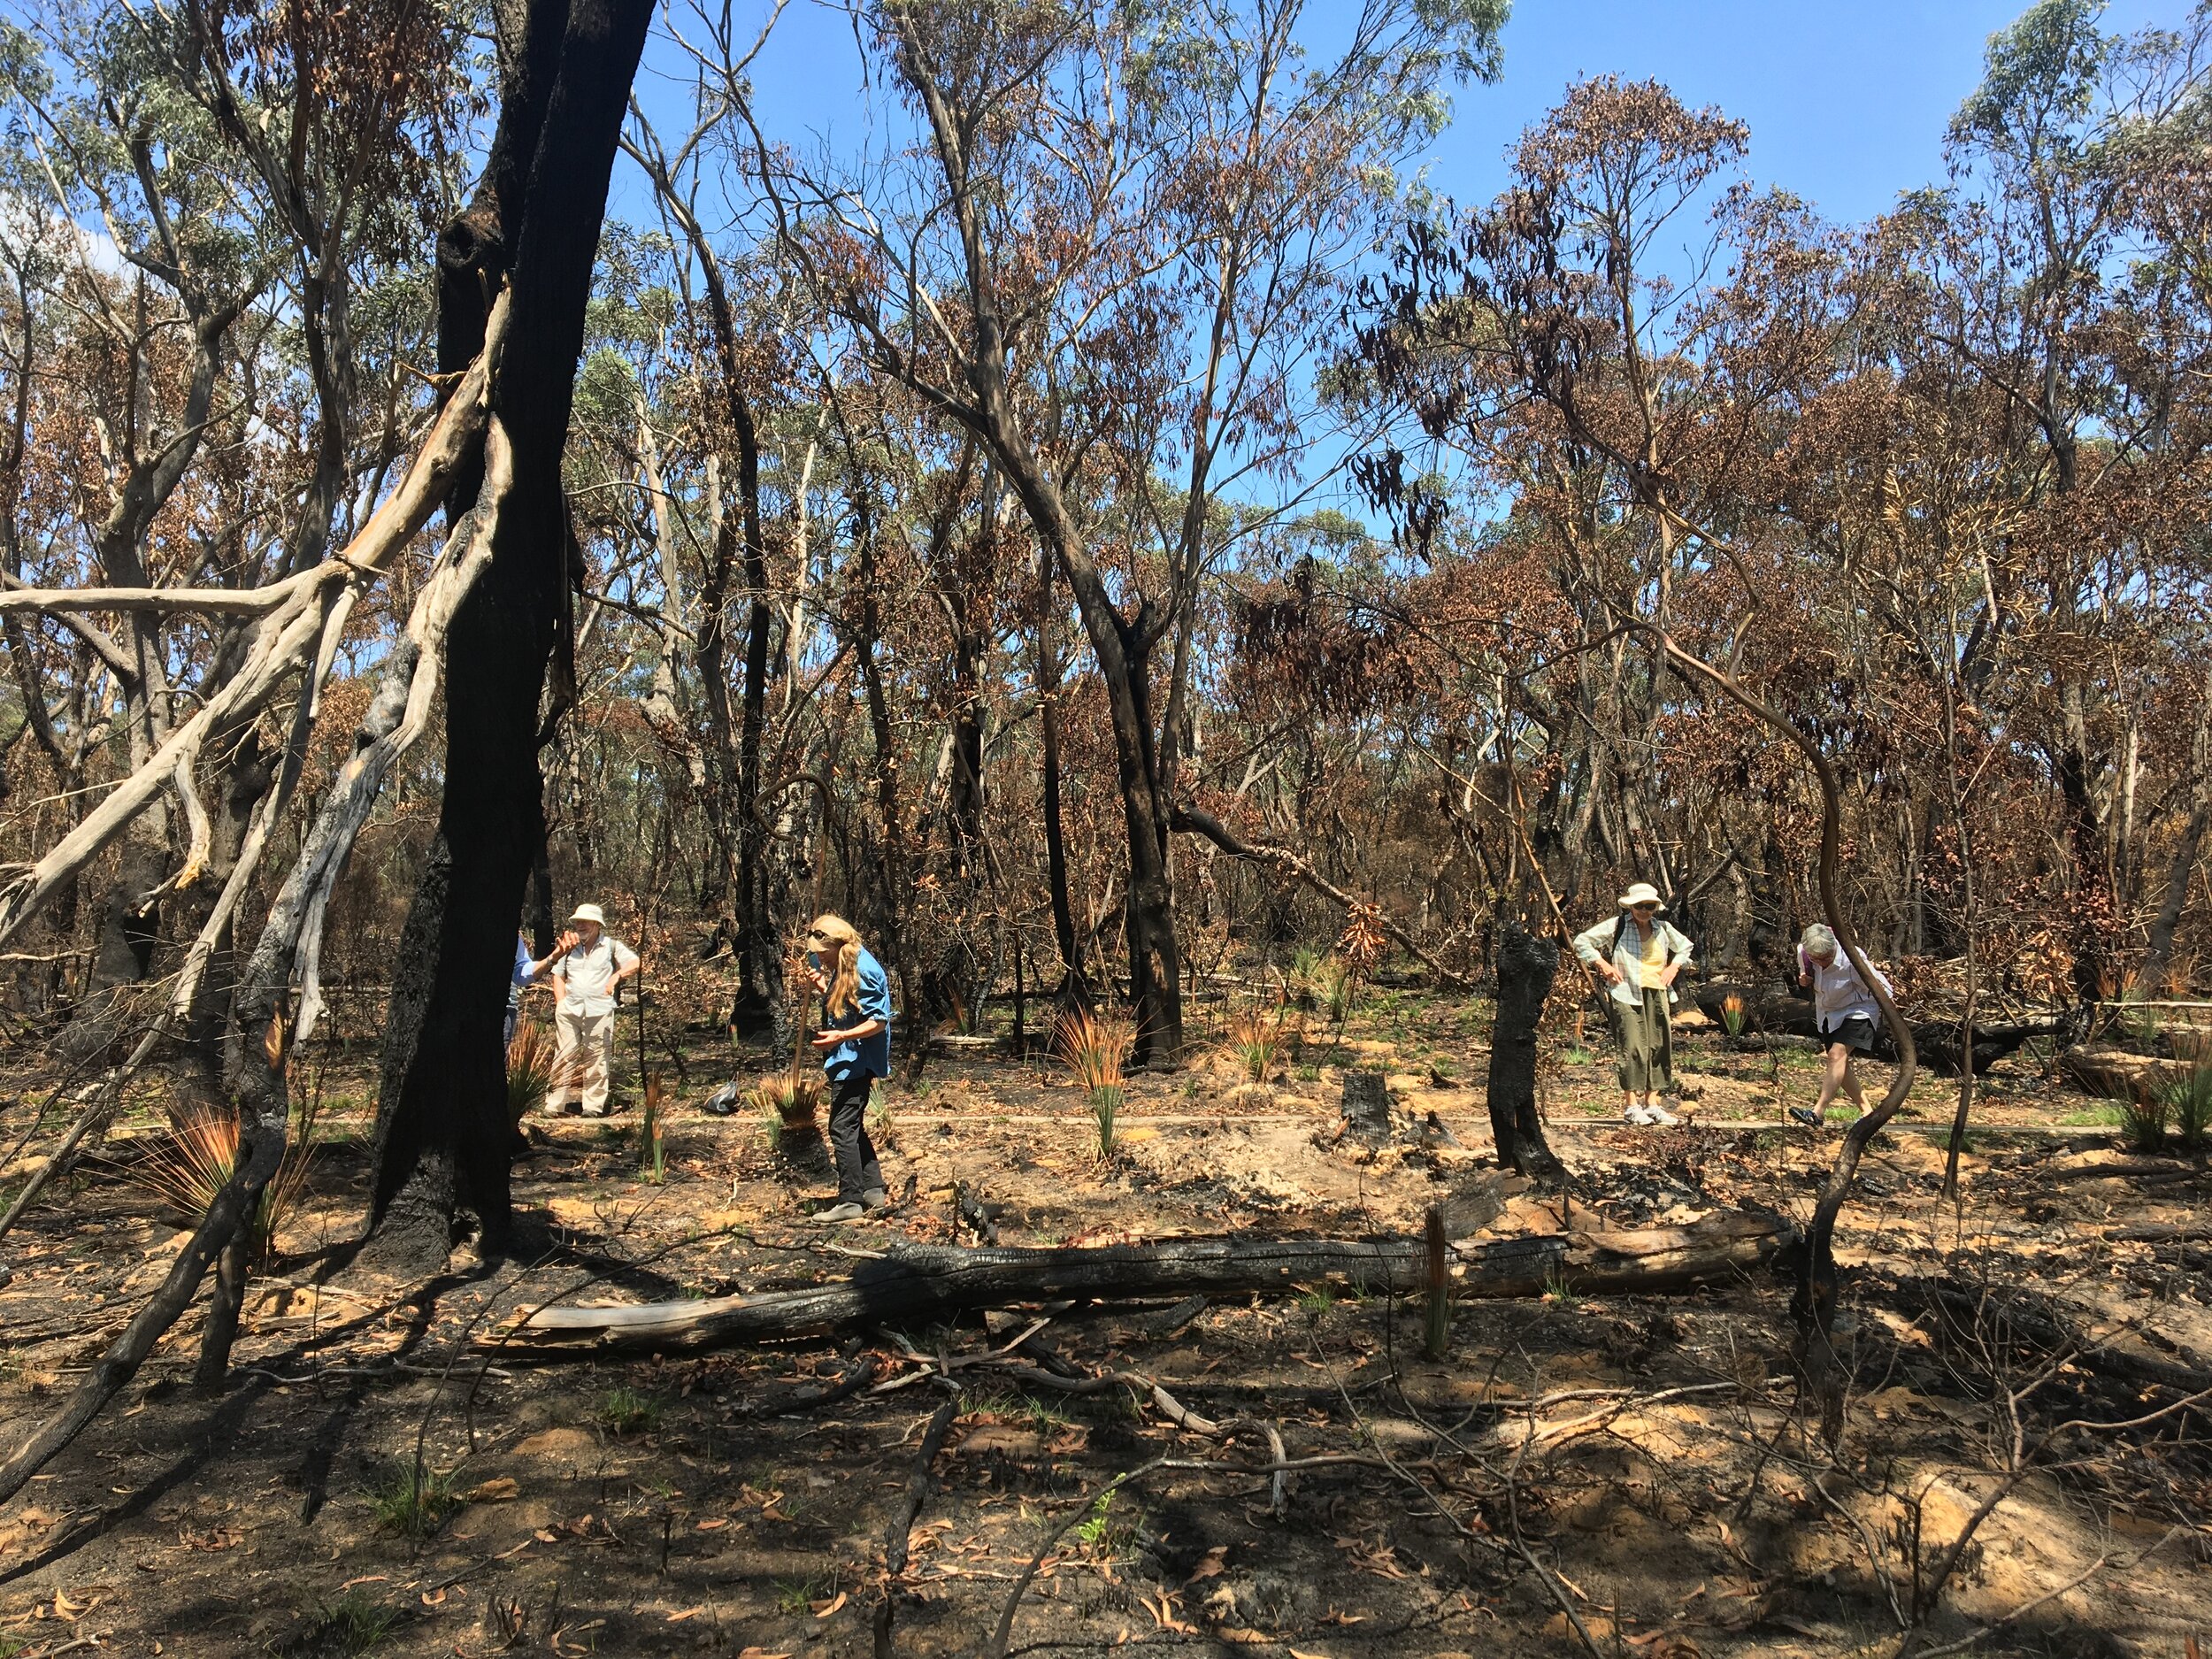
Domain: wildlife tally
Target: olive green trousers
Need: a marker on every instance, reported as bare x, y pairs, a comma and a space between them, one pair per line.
1646, 1031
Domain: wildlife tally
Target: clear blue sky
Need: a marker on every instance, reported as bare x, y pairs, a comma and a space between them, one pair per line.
1846, 103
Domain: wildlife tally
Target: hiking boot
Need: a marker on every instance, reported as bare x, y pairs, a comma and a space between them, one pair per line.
1807, 1116
1659, 1116
1641, 1115
845, 1210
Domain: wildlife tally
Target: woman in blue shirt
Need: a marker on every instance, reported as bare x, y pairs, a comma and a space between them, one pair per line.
855, 1043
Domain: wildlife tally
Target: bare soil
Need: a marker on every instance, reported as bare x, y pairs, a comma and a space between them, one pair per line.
1639, 1468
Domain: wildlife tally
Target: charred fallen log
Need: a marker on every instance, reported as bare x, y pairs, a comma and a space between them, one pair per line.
1771, 1010
928, 1282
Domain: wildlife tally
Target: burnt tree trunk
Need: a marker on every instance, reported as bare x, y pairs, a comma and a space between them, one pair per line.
1073, 989
443, 1137
1526, 967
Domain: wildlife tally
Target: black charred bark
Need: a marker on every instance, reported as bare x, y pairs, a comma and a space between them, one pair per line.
443, 1138
1526, 967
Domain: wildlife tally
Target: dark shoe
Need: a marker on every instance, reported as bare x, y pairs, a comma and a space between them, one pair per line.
846, 1211
875, 1198
1807, 1116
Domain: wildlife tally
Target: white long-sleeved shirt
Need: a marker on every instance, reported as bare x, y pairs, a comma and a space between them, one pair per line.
1635, 956
1839, 993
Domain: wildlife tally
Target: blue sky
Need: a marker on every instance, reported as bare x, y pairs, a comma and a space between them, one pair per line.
1846, 103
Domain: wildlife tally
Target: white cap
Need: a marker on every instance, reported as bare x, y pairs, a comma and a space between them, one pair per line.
1642, 893
588, 913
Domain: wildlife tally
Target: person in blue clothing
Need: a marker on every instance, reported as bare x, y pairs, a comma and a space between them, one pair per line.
526, 968
855, 1043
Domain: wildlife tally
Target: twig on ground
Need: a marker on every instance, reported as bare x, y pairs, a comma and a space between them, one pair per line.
901, 1529
1001, 1636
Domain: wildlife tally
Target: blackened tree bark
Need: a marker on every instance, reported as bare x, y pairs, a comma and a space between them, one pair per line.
1073, 989
1526, 966
442, 1139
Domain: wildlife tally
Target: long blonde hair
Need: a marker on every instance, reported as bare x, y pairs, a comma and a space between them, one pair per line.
831, 933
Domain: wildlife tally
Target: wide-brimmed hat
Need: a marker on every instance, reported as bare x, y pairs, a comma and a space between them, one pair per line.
1642, 893
588, 913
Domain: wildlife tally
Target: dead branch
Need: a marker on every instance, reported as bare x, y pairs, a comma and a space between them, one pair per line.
280, 639
927, 1282
901, 1528
394, 718
1282, 862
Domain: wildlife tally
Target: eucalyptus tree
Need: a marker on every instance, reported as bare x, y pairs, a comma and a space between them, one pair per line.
1112, 261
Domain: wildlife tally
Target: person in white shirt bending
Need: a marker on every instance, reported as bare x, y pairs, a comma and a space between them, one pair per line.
1639, 955
1845, 1012
586, 975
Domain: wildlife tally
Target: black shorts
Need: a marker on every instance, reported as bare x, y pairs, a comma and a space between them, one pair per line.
1855, 1032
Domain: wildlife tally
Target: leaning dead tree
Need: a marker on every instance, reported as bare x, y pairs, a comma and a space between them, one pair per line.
301, 623
290, 942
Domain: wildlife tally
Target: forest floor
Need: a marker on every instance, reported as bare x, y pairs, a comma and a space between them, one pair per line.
1640, 1467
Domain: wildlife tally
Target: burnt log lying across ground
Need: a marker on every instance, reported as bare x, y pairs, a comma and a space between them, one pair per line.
928, 1282
1769, 1010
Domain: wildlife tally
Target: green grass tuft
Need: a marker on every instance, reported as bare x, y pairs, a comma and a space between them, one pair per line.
355, 1624
626, 1412
413, 1500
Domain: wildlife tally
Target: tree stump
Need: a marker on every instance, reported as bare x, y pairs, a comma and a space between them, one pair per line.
1526, 967
1367, 1104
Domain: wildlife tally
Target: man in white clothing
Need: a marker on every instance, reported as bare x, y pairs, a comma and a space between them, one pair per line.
586, 974
1845, 1013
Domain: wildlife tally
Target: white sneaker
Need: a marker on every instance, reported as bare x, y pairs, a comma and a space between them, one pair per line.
1640, 1116
1659, 1116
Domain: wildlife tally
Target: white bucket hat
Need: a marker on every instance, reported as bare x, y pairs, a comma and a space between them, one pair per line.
1642, 893
588, 913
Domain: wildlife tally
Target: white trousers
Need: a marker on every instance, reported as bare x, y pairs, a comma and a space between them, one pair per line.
584, 1046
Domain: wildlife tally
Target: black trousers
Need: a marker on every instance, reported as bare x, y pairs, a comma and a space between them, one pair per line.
857, 1170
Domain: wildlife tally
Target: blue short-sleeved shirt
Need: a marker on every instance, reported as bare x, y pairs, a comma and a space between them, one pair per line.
522, 972
871, 1056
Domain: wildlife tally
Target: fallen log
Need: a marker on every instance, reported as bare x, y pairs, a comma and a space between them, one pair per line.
2113, 1073
1785, 1013
918, 1282
1971, 1315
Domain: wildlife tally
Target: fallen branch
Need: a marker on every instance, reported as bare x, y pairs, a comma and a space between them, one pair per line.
900, 1531
1964, 1310
1283, 862
927, 1282
1000, 1637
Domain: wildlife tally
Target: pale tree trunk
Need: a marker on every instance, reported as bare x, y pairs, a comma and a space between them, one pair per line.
2158, 955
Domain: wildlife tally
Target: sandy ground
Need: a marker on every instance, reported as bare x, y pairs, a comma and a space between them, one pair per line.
1639, 1468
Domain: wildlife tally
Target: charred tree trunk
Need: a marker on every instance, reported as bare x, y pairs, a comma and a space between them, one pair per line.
1526, 967
443, 1140
246, 776
1073, 987
891, 874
